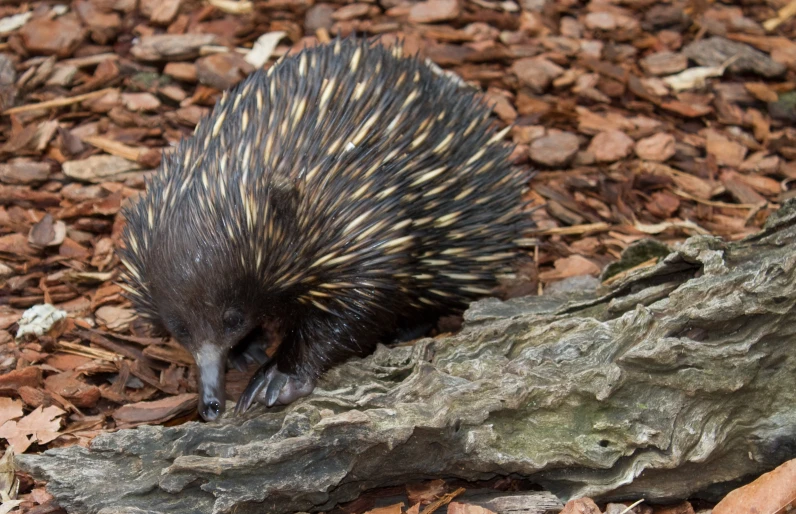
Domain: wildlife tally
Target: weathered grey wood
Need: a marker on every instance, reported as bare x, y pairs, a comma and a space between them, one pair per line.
679, 381
532, 502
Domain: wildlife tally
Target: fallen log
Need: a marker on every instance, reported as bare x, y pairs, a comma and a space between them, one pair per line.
677, 381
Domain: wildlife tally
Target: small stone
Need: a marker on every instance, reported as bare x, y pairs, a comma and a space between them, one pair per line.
350, 11
223, 70
60, 36
536, 72
140, 101
610, 146
555, 149
659, 147
726, 151
434, 10
319, 16
664, 63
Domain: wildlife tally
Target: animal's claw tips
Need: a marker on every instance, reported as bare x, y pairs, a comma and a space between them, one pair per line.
272, 387
275, 386
256, 383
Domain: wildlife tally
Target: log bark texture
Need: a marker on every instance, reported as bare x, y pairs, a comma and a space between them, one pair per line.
675, 382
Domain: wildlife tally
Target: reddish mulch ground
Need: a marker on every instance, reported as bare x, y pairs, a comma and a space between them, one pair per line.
644, 119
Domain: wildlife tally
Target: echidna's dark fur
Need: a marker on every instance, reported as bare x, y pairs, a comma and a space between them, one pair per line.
344, 192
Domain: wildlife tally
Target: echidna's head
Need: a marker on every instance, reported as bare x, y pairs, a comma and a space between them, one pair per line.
189, 271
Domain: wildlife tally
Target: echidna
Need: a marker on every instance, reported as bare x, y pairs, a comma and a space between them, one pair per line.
348, 192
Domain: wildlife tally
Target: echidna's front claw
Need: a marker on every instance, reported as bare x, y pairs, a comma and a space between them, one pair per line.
270, 387
253, 388
278, 381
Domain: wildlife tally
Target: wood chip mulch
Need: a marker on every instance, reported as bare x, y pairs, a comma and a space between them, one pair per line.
644, 119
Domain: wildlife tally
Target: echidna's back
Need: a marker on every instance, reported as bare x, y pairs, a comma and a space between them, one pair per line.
398, 177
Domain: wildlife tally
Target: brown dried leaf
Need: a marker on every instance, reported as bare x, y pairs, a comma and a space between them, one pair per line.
687, 110
726, 151
157, 411
10, 409
773, 492
762, 92
425, 492
659, 147
13, 380
117, 319
69, 386
40, 426
572, 266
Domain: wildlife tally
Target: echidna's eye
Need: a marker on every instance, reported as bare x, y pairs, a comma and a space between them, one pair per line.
233, 320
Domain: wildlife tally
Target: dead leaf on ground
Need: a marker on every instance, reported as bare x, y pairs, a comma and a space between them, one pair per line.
572, 266
156, 411
40, 426
773, 492
425, 492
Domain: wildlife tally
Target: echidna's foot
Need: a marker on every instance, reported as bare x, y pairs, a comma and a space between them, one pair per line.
412, 332
242, 358
251, 350
270, 387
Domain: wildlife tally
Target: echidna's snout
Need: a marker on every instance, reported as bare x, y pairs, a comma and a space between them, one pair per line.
211, 360
210, 408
